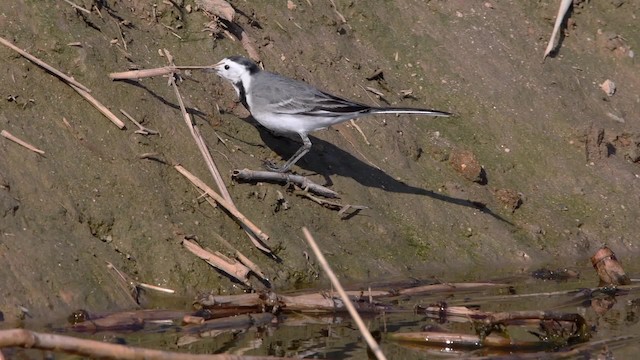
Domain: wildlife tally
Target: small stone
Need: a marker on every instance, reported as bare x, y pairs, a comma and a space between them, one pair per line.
466, 163
609, 87
510, 199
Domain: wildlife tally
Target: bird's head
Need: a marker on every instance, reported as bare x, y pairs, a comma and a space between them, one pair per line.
235, 68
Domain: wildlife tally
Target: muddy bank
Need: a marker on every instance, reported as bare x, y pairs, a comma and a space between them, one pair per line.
544, 133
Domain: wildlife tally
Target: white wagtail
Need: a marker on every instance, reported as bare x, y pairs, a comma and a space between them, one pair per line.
287, 106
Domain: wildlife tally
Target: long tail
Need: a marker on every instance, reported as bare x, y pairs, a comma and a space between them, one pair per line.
402, 110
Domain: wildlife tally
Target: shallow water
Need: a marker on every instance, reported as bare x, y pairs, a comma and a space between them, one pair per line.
614, 331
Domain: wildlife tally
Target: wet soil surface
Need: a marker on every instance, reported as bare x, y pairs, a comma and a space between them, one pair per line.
539, 165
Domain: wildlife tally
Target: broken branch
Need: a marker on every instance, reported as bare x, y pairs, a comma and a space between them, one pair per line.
268, 176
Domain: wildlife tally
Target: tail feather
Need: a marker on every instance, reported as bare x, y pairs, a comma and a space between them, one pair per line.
402, 110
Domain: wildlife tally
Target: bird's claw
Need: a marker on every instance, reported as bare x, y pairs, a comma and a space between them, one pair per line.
271, 166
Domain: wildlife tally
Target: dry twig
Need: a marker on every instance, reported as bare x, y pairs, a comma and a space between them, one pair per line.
141, 129
235, 269
375, 348
8, 135
342, 209
298, 180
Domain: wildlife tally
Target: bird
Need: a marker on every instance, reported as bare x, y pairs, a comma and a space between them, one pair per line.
291, 107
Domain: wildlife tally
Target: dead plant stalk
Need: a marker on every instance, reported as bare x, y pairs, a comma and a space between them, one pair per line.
375, 348
195, 133
9, 136
224, 203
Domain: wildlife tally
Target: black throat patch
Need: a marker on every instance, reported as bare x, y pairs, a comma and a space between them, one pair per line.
242, 94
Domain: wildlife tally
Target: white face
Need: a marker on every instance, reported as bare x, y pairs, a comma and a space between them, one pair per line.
230, 70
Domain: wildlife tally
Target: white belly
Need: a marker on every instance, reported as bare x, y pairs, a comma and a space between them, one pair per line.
286, 123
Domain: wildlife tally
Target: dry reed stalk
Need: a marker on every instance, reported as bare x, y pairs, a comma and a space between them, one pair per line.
373, 345
195, 133
190, 319
8, 135
81, 89
161, 71
240, 256
78, 7
141, 129
156, 288
251, 265
103, 109
235, 269
224, 203
51, 69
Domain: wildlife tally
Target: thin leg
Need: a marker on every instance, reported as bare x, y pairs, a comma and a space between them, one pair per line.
306, 145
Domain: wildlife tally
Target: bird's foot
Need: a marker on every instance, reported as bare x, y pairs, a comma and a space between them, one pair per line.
271, 166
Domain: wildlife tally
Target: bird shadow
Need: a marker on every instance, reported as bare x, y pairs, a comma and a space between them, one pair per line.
327, 159
194, 112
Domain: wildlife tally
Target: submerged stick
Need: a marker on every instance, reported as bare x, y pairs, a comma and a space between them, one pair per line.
375, 348
458, 340
51, 69
99, 349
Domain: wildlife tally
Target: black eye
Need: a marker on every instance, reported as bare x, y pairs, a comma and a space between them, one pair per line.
226, 67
